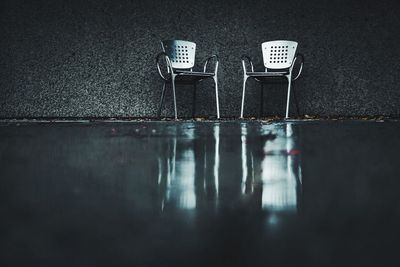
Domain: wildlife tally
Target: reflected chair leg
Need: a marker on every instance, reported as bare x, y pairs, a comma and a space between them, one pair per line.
289, 77
261, 99
194, 99
161, 100
216, 96
296, 103
244, 91
174, 95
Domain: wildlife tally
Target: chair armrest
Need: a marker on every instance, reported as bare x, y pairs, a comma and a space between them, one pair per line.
216, 63
301, 66
169, 65
244, 57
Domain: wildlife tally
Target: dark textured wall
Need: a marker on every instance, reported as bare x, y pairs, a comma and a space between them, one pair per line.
96, 58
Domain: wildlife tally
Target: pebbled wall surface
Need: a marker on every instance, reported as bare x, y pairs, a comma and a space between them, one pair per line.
96, 58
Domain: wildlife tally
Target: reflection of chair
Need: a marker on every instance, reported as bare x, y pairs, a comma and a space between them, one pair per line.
180, 56
271, 166
189, 176
279, 58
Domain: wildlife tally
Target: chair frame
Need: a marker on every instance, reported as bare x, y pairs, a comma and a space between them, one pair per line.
284, 70
175, 71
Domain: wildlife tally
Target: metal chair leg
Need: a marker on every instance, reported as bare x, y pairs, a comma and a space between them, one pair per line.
289, 77
174, 95
261, 99
161, 101
244, 91
216, 95
194, 99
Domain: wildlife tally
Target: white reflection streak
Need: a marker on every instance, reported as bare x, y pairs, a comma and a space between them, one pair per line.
159, 171
184, 180
279, 190
244, 157
181, 184
216, 162
300, 176
289, 162
171, 167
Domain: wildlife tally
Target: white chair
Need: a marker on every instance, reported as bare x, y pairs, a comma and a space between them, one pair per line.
180, 59
279, 58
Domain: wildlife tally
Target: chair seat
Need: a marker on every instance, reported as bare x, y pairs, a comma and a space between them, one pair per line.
267, 74
194, 73
192, 76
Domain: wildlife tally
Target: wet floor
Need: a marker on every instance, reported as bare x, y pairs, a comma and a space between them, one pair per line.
200, 194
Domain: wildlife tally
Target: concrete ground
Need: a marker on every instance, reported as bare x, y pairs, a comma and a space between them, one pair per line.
232, 193
96, 58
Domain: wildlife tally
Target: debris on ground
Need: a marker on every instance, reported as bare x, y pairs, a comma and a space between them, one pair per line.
306, 117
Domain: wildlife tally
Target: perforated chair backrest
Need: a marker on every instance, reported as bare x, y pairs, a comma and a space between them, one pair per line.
181, 53
278, 54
